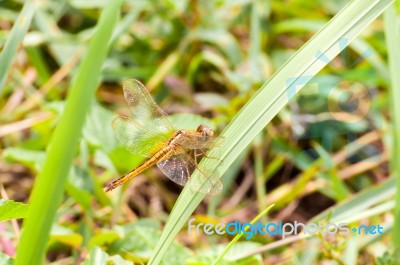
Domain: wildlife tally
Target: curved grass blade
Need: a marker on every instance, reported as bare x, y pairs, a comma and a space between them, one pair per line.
49, 187
14, 39
271, 97
393, 40
238, 236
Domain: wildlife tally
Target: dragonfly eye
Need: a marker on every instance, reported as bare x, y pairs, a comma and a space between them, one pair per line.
205, 131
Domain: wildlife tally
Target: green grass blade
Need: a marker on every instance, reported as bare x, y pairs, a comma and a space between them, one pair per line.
259, 176
273, 95
13, 41
238, 236
393, 40
49, 187
350, 257
360, 202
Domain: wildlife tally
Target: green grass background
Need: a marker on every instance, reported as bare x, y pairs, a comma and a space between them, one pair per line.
239, 64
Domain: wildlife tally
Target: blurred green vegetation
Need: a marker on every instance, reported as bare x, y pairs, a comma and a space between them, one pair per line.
324, 156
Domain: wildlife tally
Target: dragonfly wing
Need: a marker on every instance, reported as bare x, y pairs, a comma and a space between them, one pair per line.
137, 138
206, 183
180, 167
143, 107
195, 141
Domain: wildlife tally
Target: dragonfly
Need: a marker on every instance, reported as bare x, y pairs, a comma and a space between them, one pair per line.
151, 134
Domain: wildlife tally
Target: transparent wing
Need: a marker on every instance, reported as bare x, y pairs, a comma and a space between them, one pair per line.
143, 107
206, 182
194, 140
137, 138
179, 168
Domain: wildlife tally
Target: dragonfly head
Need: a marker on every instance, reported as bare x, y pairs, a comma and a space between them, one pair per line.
205, 131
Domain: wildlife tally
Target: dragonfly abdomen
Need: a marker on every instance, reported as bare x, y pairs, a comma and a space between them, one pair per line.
160, 155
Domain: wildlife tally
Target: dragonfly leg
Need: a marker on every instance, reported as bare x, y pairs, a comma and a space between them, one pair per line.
203, 153
195, 156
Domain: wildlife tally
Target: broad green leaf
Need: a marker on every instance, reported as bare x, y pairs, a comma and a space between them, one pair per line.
12, 210
29, 158
98, 130
66, 236
81, 196
103, 238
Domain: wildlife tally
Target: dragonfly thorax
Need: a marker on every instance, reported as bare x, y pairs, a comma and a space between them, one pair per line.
177, 138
